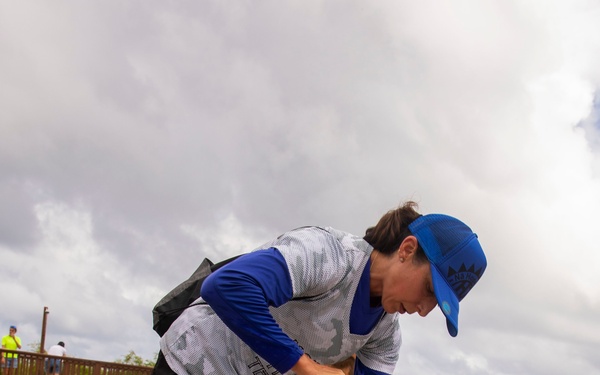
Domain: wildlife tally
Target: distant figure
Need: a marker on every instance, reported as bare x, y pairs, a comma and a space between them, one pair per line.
12, 342
53, 364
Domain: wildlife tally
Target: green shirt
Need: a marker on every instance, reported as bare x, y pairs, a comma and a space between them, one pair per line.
10, 342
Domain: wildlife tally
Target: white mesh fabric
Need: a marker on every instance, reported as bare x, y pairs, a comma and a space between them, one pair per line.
325, 267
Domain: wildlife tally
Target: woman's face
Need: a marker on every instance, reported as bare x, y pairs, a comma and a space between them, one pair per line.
408, 288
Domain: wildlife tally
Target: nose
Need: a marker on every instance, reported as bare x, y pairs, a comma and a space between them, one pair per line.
426, 306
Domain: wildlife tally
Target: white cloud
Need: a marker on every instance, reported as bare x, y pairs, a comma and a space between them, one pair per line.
226, 239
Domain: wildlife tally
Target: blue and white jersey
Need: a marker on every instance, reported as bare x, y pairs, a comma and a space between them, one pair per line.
324, 269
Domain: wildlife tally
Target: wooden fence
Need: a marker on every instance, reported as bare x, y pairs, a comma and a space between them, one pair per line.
29, 363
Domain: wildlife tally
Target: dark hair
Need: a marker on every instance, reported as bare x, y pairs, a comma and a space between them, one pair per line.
392, 229
61, 344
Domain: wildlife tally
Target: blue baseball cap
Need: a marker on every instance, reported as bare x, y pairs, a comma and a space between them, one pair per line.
456, 257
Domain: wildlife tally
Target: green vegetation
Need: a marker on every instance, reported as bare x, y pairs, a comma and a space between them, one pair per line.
133, 359
34, 347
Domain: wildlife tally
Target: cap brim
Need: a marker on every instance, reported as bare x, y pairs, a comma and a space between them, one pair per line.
447, 300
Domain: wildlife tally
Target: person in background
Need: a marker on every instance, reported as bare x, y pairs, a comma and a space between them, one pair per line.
317, 300
53, 365
11, 342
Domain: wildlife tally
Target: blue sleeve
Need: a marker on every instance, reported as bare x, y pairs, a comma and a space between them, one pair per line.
241, 292
361, 369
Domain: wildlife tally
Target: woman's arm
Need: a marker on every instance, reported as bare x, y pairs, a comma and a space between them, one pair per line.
306, 366
241, 292
347, 365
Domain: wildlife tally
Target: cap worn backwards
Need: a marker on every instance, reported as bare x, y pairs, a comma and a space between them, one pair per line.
456, 257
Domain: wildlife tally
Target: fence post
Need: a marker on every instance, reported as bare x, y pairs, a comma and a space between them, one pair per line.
97, 369
41, 365
43, 338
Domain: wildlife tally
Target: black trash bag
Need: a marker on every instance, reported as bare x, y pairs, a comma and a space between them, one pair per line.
168, 309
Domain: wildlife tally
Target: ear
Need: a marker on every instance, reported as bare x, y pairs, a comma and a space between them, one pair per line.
408, 247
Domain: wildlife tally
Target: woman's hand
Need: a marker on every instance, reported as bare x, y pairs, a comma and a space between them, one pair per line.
306, 366
347, 365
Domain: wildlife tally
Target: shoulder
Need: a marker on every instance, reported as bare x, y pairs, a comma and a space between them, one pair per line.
313, 238
304, 237
318, 258
319, 246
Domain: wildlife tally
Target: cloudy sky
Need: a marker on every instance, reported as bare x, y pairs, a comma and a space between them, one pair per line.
138, 137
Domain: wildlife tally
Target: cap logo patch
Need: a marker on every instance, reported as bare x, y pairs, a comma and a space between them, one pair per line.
463, 279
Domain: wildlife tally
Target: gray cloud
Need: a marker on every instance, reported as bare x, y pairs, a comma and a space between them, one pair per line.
137, 138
